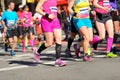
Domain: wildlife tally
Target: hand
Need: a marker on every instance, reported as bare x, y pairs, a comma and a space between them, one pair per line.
106, 9
116, 12
52, 16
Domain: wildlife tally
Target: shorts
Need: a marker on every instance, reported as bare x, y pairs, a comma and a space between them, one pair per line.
20, 30
79, 23
114, 15
103, 18
73, 29
11, 33
49, 25
2, 30
28, 30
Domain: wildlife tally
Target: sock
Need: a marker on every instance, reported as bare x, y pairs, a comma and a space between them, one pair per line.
19, 41
69, 43
23, 43
32, 42
41, 48
58, 50
115, 37
109, 44
26, 42
95, 40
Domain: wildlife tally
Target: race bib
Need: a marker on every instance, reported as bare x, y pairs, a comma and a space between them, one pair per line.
84, 12
106, 3
53, 9
11, 23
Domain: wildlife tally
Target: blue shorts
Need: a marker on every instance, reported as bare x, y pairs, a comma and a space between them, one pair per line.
79, 23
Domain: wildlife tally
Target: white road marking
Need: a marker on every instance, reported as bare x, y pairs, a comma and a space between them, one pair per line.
13, 68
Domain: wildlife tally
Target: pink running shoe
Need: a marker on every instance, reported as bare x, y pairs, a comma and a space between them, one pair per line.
60, 63
87, 58
23, 49
36, 56
77, 51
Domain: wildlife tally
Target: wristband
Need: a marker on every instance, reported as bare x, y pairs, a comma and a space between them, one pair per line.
47, 15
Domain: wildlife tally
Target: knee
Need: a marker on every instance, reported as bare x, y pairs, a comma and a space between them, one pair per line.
86, 38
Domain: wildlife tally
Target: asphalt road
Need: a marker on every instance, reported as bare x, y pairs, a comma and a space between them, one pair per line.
23, 67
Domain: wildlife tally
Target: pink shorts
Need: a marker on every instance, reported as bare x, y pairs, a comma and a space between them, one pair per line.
49, 26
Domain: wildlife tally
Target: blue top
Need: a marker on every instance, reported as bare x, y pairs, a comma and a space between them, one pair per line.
0, 22
10, 18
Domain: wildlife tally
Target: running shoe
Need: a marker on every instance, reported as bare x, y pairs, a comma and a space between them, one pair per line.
111, 55
95, 46
60, 63
87, 58
23, 49
36, 56
68, 53
77, 51
12, 53
6, 47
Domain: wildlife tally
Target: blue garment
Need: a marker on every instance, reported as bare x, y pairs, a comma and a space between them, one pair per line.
113, 4
0, 22
79, 23
10, 18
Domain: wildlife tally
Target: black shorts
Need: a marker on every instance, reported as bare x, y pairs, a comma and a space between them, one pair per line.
73, 29
28, 30
103, 18
114, 15
2, 30
20, 30
11, 33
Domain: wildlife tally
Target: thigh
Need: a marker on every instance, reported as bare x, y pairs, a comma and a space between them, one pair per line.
101, 29
49, 37
109, 28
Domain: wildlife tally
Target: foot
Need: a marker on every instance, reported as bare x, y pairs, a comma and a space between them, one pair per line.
12, 53
68, 53
60, 63
23, 49
36, 56
87, 58
77, 51
111, 55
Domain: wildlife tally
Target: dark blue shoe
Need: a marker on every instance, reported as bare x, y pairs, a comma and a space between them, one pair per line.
12, 53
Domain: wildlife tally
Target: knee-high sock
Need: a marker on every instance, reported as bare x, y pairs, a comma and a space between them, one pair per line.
70, 41
32, 43
58, 50
109, 44
115, 37
95, 40
26, 42
23, 43
41, 48
19, 40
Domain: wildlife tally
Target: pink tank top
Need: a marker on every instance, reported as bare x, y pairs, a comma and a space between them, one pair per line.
50, 6
27, 19
104, 3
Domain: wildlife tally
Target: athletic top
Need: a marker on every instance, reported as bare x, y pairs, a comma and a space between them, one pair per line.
82, 7
50, 6
104, 3
10, 18
113, 4
0, 22
27, 19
